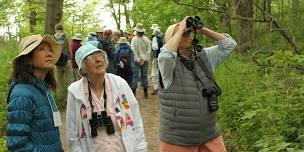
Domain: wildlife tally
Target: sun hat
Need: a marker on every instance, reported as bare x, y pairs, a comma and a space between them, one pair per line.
29, 43
83, 52
139, 27
155, 26
77, 36
169, 32
123, 40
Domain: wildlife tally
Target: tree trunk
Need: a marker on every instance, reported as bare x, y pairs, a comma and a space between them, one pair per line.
246, 38
128, 23
116, 18
294, 11
54, 11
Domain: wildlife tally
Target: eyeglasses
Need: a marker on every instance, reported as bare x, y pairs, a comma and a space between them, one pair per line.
93, 56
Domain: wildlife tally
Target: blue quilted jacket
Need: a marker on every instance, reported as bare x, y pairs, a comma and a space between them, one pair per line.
30, 120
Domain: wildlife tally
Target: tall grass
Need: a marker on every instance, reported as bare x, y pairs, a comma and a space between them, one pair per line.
261, 108
7, 51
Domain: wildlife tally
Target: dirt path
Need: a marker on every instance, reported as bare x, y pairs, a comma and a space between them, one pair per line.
149, 109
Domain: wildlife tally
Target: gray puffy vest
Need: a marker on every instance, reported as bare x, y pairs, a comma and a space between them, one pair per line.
184, 115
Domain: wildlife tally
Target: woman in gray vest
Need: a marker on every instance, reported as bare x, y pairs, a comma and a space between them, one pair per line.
188, 92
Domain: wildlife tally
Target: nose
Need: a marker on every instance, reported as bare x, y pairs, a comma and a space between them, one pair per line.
50, 52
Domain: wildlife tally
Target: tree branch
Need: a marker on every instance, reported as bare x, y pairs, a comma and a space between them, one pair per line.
284, 33
201, 8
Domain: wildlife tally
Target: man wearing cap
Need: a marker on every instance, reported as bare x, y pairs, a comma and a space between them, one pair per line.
33, 117
141, 47
157, 43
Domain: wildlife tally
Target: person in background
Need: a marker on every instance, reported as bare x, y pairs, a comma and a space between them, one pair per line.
102, 112
99, 34
92, 36
188, 92
141, 47
153, 27
76, 43
157, 43
129, 36
124, 60
116, 36
109, 48
63, 67
33, 117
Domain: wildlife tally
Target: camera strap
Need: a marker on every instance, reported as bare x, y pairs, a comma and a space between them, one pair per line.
104, 96
208, 73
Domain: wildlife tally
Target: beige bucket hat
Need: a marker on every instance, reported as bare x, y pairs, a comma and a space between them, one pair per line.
155, 26
123, 40
77, 36
169, 32
139, 28
29, 43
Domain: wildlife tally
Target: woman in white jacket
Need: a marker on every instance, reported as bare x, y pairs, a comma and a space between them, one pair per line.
102, 112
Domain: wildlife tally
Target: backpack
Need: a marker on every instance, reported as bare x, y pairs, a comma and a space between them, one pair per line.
124, 55
63, 59
160, 43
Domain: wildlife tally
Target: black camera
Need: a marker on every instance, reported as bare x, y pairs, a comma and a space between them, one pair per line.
102, 120
194, 23
212, 93
196, 45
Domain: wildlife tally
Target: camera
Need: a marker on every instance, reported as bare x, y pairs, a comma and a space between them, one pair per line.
102, 120
194, 23
212, 93
196, 45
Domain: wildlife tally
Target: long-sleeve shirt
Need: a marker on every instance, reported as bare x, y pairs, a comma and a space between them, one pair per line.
215, 54
141, 48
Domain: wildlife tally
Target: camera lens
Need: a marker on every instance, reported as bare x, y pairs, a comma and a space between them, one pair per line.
189, 22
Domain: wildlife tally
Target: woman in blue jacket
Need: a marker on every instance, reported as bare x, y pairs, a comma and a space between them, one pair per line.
33, 117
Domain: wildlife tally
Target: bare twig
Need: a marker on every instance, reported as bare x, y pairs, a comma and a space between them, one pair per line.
201, 8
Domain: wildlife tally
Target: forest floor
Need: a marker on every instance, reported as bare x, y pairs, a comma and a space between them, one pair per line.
149, 109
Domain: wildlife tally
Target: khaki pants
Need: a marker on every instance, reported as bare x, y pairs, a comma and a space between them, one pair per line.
215, 145
155, 73
63, 74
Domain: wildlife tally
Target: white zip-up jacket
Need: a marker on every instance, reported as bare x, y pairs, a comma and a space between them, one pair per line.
133, 137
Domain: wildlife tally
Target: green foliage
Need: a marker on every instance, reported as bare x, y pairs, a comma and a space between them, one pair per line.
7, 51
3, 144
262, 109
81, 16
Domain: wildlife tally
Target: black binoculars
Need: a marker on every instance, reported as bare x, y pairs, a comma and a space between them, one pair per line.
194, 23
102, 120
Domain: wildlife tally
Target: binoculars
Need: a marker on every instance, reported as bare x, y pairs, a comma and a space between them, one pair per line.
101, 121
194, 23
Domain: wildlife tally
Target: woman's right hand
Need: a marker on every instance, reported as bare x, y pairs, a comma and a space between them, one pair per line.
183, 25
